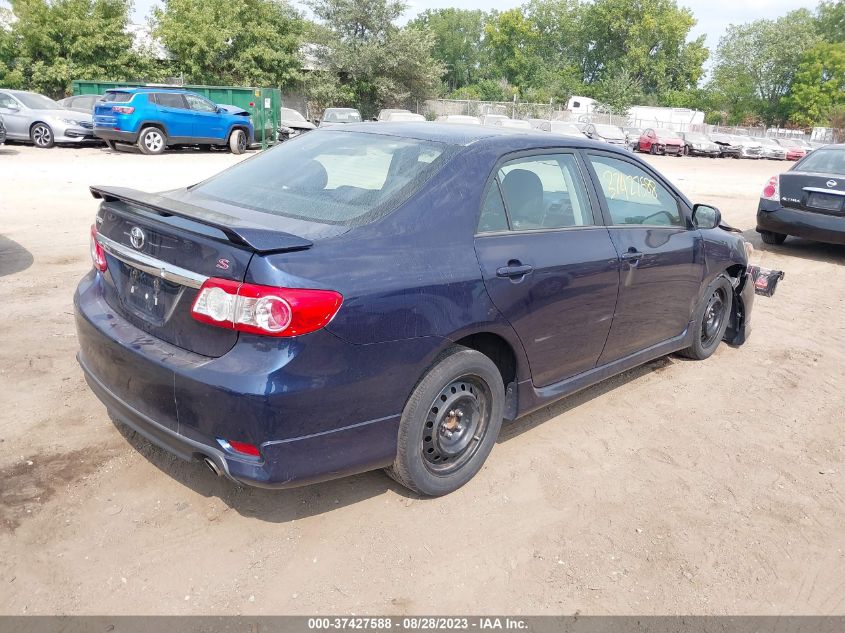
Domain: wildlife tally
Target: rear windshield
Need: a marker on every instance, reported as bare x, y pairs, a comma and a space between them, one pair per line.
113, 96
342, 116
824, 161
332, 177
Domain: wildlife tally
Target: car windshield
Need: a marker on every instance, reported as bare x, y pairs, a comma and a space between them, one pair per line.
824, 161
290, 113
609, 131
666, 133
695, 138
331, 176
37, 102
342, 116
568, 128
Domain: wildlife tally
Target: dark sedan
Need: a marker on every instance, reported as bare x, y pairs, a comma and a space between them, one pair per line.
807, 201
384, 296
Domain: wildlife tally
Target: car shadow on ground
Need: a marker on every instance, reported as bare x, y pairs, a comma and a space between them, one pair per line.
5, 150
282, 506
13, 257
798, 247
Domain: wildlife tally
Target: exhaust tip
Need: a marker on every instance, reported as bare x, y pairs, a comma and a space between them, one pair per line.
211, 465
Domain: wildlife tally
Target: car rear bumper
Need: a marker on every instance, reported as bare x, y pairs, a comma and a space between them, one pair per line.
821, 227
308, 428
121, 136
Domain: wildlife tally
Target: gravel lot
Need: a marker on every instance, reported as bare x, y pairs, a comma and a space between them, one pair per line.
680, 487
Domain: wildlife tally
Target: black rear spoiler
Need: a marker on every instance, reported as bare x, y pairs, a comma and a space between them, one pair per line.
260, 239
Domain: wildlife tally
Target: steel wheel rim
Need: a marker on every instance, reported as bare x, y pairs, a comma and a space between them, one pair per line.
714, 316
153, 141
41, 135
456, 424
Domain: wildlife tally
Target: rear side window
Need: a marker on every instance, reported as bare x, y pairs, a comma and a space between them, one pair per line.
115, 96
330, 176
633, 196
170, 100
545, 192
493, 216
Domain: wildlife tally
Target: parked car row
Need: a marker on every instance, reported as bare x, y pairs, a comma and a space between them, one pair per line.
150, 118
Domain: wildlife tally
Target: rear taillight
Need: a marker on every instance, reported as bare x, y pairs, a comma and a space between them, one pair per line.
772, 189
98, 255
123, 109
264, 309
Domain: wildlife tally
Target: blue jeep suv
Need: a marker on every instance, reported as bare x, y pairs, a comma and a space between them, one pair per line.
155, 118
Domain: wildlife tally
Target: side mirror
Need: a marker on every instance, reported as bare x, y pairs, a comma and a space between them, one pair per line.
12, 107
706, 217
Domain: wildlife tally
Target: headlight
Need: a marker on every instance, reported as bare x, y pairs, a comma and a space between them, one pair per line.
697, 145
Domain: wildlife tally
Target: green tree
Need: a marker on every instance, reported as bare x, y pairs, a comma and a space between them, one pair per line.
819, 85
374, 60
646, 38
756, 63
458, 35
251, 42
511, 39
830, 21
51, 43
618, 91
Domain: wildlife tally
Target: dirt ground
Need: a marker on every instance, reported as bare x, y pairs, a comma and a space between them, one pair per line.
709, 487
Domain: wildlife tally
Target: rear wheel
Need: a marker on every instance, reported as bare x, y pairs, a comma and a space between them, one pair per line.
711, 319
237, 142
152, 140
769, 237
450, 423
42, 135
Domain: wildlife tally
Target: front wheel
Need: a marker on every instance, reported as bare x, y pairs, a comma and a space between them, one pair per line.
237, 142
42, 135
711, 319
151, 140
450, 423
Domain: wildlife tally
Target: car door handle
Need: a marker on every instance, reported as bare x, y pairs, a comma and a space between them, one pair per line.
632, 256
514, 270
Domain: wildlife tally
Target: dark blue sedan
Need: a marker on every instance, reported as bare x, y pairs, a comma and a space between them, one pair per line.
385, 295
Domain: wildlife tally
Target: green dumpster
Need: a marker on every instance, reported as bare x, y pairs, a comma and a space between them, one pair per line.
263, 103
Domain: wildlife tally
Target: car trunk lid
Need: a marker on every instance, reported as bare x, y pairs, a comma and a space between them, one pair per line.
817, 193
161, 250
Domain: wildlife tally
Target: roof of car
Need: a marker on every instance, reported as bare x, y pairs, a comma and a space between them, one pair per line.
458, 134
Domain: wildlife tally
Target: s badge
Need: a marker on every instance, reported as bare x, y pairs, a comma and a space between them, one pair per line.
223, 264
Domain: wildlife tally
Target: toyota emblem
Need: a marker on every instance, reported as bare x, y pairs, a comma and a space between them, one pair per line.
831, 183
137, 237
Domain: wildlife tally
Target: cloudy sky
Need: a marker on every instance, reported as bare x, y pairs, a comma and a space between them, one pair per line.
713, 15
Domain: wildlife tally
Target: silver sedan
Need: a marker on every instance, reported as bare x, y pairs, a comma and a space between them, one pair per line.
33, 117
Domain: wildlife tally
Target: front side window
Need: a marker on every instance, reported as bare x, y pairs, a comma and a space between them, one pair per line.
544, 192
633, 196
199, 104
330, 176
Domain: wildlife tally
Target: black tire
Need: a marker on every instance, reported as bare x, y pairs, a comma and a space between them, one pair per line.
686, 150
41, 136
769, 237
711, 319
152, 140
237, 141
652, 149
111, 145
450, 423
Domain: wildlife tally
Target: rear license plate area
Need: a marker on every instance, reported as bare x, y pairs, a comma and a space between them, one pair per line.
147, 295
825, 202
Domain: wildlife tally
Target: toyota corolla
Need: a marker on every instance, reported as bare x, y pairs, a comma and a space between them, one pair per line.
384, 296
